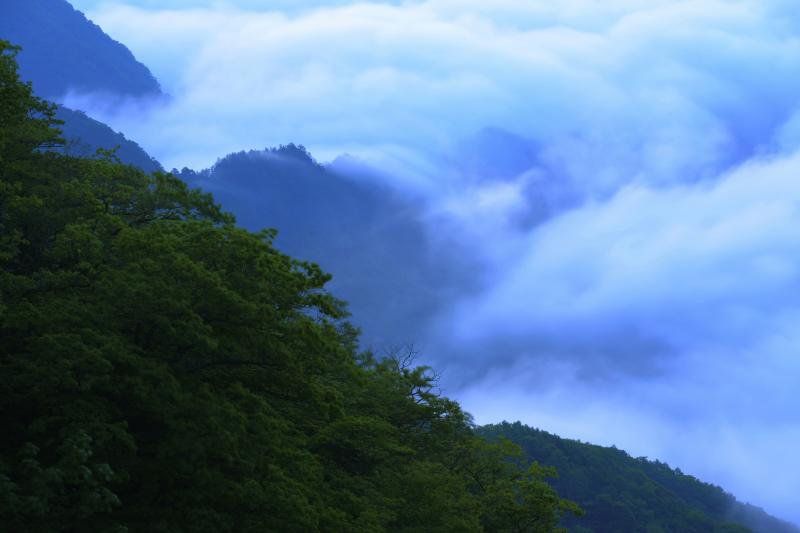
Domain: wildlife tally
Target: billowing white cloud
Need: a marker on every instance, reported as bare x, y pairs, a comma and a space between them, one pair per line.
627, 172
664, 320
722, 245
653, 89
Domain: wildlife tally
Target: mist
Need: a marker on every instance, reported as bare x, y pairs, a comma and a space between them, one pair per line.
624, 177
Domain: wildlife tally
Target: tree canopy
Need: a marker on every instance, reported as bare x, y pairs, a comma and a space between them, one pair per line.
166, 370
623, 493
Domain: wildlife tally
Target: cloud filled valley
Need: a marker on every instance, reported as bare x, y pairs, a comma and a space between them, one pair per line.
597, 204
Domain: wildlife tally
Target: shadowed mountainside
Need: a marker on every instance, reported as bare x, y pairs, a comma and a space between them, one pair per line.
623, 493
85, 135
63, 51
370, 237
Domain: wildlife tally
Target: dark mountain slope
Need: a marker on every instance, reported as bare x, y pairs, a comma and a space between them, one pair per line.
85, 135
368, 236
63, 51
622, 493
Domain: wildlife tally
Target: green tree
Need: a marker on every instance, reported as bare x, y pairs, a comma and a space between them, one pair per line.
25, 120
166, 371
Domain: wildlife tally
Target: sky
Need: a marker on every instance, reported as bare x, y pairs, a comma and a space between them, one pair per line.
627, 172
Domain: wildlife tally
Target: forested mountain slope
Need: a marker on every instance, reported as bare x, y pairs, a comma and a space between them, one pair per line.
368, 235
164, 370
63, 51
622, 493
85, 135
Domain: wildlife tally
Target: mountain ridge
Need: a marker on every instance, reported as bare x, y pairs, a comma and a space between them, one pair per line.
623, 493
88, 59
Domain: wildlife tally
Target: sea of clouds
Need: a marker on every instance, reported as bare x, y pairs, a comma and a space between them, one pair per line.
628, 173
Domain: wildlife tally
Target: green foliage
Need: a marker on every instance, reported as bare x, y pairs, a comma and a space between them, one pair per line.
621, 493
164, 371
25, 120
